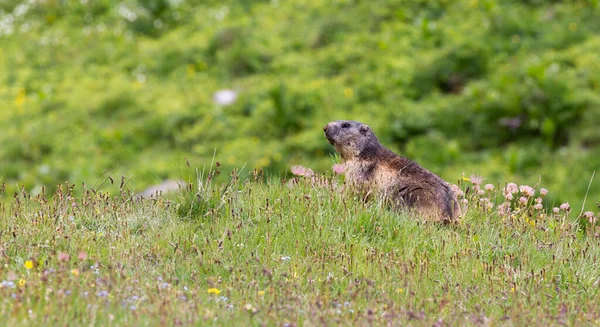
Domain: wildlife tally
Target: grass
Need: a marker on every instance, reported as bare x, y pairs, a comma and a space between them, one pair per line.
232, 251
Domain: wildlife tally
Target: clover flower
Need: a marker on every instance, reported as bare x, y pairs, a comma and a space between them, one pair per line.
565, 207
63, 256
511, 188
339, 169
527, 190
476, 179
302, 171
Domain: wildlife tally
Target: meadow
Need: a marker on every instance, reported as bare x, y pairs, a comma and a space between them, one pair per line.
100, 99
300, 252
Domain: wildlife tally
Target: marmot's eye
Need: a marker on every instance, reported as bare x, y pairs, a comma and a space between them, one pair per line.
345, 125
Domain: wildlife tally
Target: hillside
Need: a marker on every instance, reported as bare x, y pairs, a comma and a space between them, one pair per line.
509, 90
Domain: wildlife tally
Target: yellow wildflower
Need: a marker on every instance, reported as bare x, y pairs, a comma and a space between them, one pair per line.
20, 98
399, 291
22, 282
261, 293
213, 290
348, 92
28, 264
75, 272
466, 179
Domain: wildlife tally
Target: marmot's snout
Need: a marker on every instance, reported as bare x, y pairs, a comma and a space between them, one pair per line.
329, 130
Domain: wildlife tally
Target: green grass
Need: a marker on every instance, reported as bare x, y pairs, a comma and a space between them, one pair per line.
246, 251
126, 87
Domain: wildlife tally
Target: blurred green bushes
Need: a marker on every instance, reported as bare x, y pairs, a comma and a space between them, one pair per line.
506, 89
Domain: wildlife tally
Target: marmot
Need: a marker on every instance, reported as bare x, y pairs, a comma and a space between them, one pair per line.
402, 182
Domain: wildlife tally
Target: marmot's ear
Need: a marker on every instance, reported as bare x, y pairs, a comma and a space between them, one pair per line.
364, 129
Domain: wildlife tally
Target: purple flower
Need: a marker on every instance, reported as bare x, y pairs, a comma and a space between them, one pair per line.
527, 190
555, 209
523, 199
511, 188
588, 214
476, 179
565, 207
302, 171
504, 208
543, 191
339, 168
538, 206
508, 196
489, 187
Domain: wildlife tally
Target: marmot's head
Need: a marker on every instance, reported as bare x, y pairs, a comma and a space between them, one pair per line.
349, 138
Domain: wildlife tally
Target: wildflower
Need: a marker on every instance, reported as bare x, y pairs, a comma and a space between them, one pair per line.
489, 188
527, 190
225, 97
7, 283
63, 256
476, 179
511, 188
459, 193
302, 171
543, 191
213, 290
589, 215
348, 92
261, 293
565, 207
102, 294
538, 200
20, 98
555, 210
504, 208
508, 196
339, 168
22, 282
399, 291
480, 192
466, 179
82, 255
28, 264
486, 204
538, 206
523, 199
75, 272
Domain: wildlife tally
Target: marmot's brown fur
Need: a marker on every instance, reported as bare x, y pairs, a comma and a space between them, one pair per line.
401, 182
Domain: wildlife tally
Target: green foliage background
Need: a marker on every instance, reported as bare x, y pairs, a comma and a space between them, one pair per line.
506, 89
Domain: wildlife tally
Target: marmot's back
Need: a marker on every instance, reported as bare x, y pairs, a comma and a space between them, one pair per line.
402, 182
